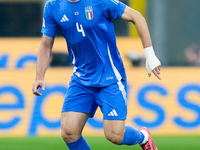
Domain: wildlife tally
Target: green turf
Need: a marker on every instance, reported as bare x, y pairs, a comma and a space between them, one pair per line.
98, 143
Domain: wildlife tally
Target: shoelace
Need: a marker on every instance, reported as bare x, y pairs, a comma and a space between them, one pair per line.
147, 147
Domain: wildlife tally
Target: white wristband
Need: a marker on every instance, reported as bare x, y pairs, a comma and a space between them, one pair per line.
149, 51
151, 59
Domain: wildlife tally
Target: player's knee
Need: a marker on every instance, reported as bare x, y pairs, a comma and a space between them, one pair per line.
115, 138
69, 135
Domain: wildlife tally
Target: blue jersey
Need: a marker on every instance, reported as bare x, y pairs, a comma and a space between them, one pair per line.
89, 32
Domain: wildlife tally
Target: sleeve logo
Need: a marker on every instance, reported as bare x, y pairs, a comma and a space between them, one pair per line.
115, 1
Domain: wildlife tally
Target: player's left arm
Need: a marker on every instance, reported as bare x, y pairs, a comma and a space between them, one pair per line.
152, 62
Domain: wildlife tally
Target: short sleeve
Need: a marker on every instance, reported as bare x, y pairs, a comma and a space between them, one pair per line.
49, 26
113, 9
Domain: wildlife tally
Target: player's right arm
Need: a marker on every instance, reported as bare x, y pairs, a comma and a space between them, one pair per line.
43, 60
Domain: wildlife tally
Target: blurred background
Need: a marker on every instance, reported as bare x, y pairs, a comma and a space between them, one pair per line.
170, 107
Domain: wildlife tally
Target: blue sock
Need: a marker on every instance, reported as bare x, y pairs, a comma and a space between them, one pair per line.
132, 136
79, 144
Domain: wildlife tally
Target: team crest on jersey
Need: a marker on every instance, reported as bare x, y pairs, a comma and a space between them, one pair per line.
89, 13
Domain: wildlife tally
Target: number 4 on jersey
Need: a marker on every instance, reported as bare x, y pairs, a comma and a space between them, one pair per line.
80, 29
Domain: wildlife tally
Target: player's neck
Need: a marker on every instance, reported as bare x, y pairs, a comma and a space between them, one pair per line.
73, 0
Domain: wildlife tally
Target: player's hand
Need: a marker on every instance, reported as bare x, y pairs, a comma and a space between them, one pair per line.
152, 63
36, 85
156, 72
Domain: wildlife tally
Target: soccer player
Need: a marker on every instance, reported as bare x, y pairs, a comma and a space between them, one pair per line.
99, 78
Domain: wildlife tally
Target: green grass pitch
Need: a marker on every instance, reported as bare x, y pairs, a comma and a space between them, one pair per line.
97, 143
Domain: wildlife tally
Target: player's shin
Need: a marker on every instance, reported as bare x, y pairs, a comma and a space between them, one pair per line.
132, 136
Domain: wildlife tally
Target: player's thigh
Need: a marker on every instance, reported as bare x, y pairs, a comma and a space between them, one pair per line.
114, 126
72, 123
114, 130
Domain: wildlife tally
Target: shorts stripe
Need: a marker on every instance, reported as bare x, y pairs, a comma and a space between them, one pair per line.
122, 89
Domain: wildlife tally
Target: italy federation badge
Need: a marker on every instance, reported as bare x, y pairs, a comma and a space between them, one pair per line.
89, 12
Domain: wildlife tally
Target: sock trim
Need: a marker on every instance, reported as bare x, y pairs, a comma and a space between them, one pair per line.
75, 142
146, 137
